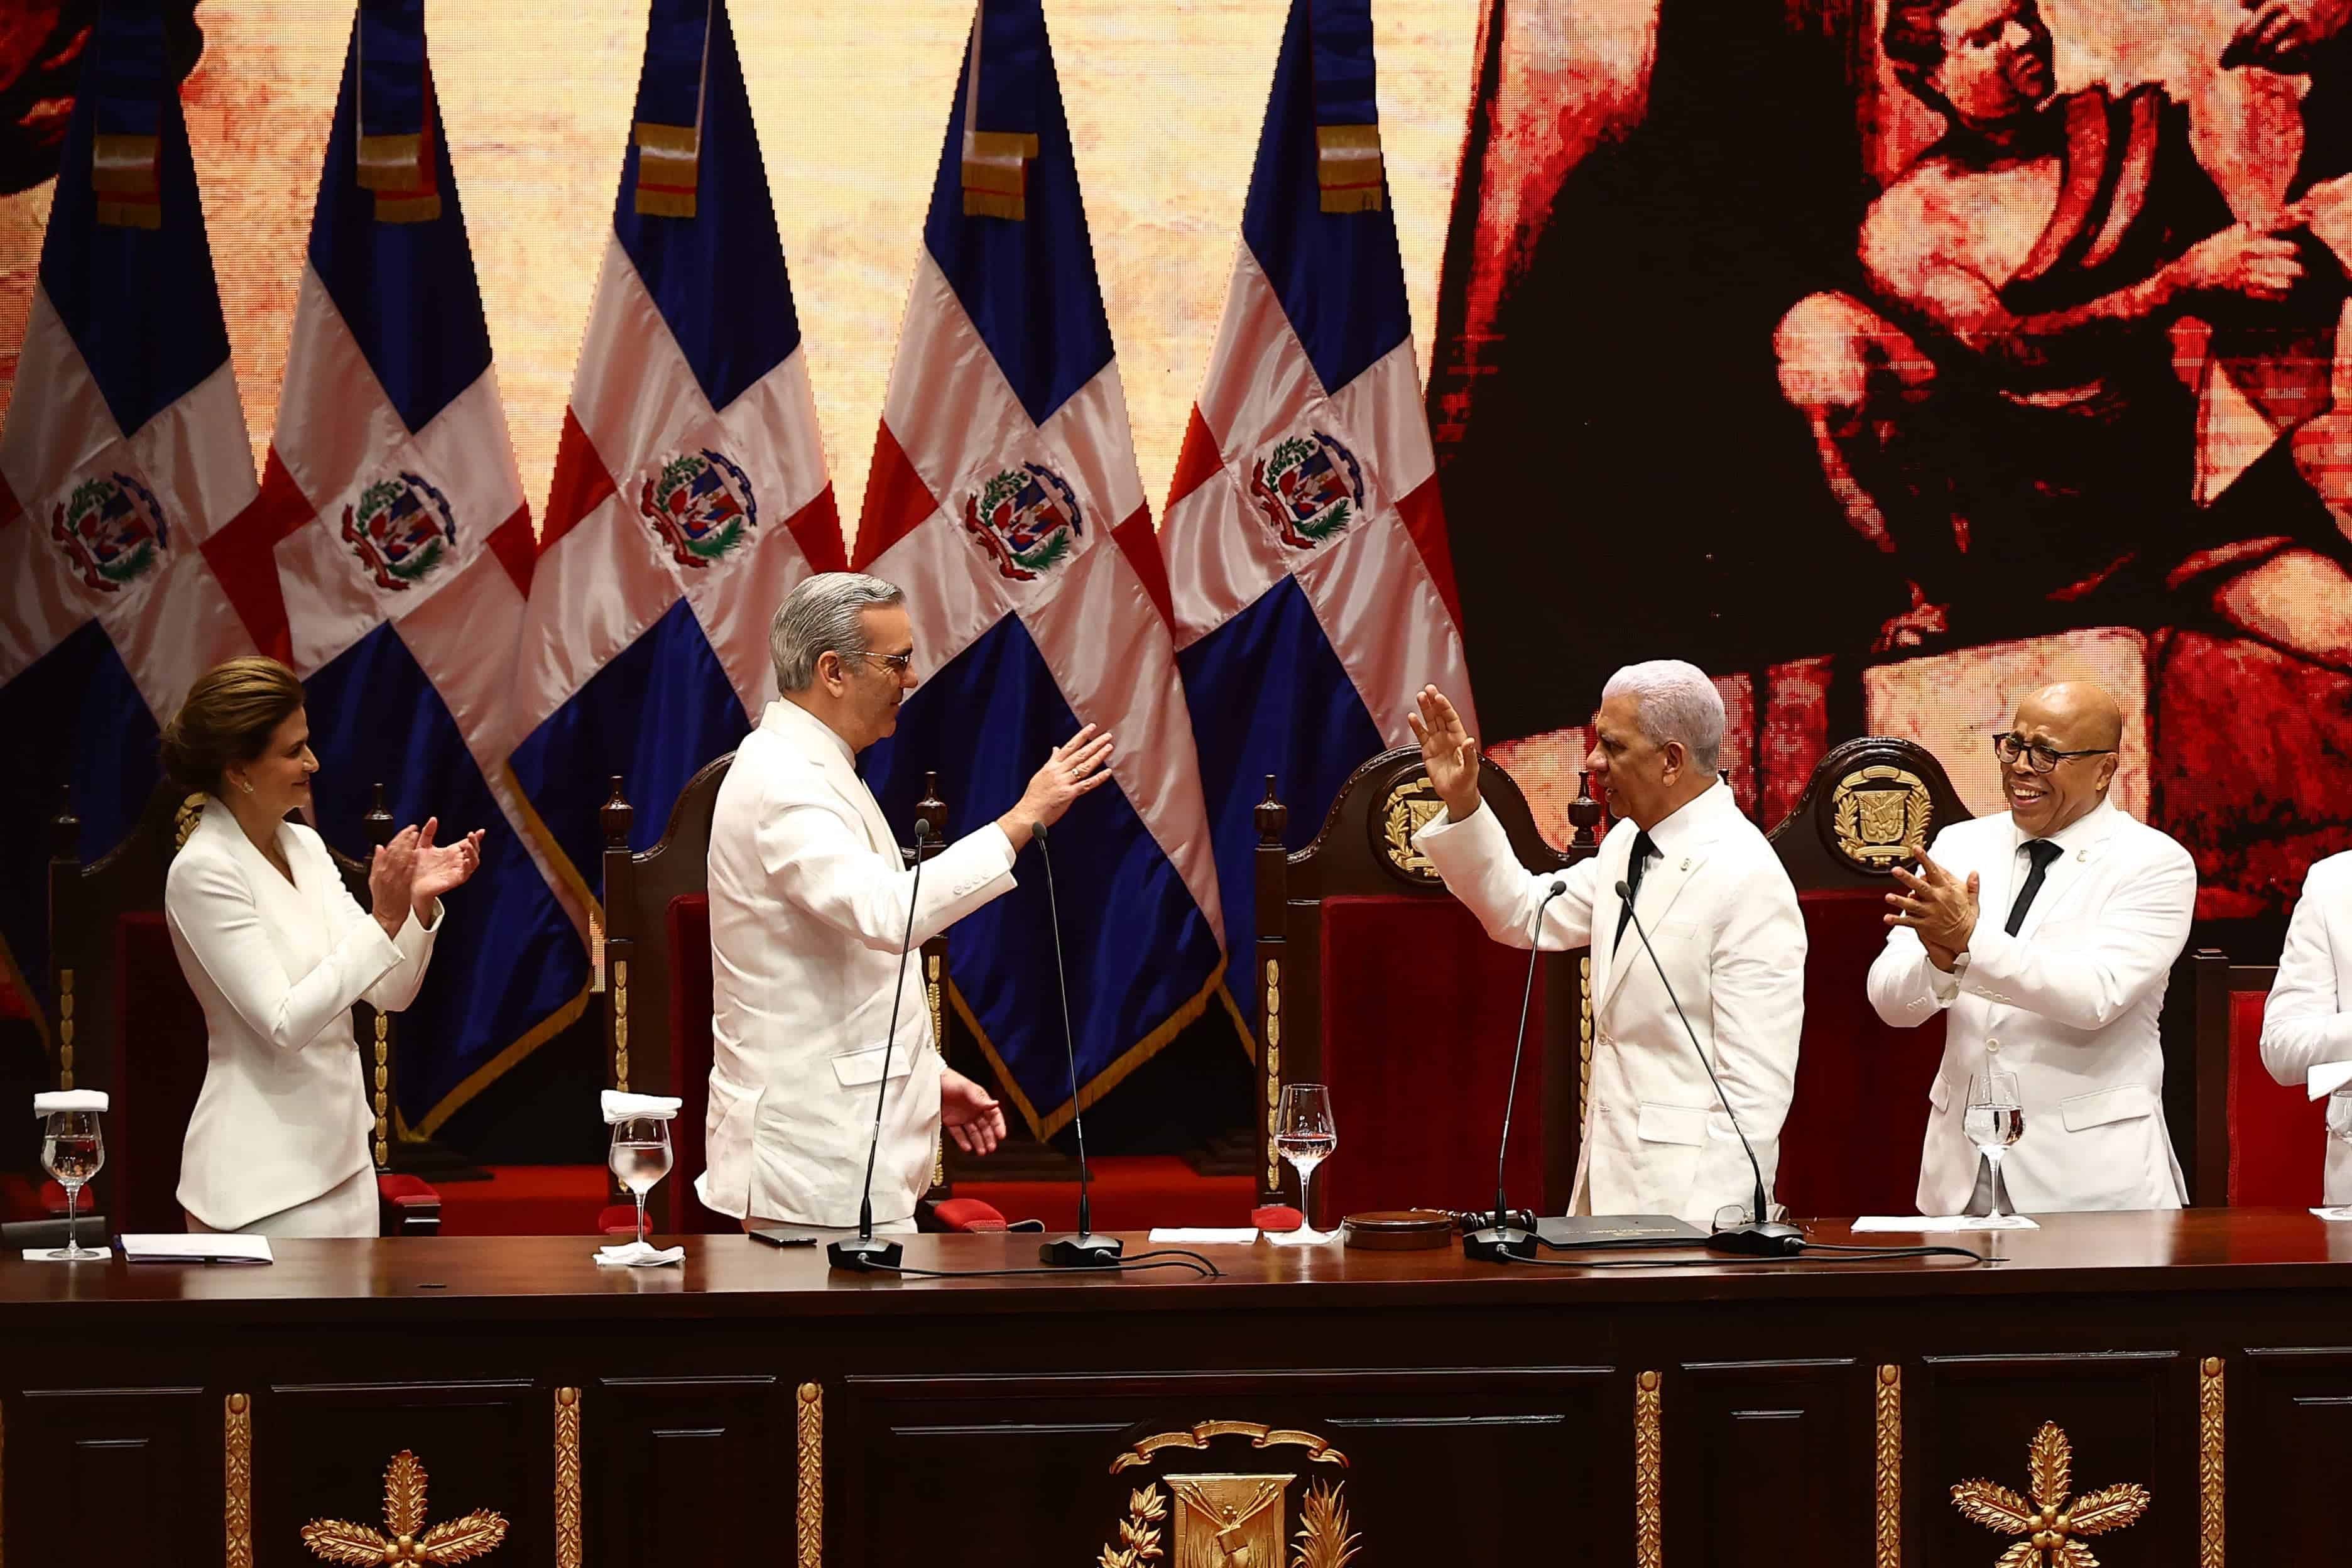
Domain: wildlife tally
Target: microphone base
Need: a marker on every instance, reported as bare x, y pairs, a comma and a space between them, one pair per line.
863, 1254
1084, 1250
1765, 1240
1500, 1244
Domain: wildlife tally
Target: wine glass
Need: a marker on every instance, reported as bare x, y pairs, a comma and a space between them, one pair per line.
72, 1150
2339, 1128
1305, 1135
1994, 1119
640, 1158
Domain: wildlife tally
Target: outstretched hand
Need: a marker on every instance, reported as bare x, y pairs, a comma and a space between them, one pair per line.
972, 1118
1077, 765
1448, 750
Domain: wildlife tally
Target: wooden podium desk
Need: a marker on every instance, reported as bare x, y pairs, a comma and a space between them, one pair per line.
746, 1407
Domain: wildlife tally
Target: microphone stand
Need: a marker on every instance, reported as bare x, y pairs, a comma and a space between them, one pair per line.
1086, 1250
1762, 1238
1503, 1242
864, 1252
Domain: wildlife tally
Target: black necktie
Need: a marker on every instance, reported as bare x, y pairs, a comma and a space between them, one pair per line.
2042, 852
1643, 849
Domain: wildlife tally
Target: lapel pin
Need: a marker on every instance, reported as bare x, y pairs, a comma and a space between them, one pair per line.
1686, 862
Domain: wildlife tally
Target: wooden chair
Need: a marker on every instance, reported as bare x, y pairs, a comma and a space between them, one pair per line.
657, 996
1850, 1144
118, 988
1371, 978
2259, 1143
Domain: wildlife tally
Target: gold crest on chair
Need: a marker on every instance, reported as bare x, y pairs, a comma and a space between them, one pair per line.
1409, 806
1882, 815
1232, 1520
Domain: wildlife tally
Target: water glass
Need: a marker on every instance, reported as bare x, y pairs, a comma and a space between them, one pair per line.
1994, 1119
640, 1157
1305, 1135
72, 1151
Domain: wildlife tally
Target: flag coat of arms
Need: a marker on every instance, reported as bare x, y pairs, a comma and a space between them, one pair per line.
125, 452
1306, 543
389, 554
1004, 498
690, 492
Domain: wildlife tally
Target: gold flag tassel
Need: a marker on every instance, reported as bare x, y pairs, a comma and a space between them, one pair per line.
390, 163
1348, 168
123, 170
995, 173
668, 158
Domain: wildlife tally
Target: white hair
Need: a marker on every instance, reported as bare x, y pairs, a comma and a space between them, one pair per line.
824, 615
1674, 700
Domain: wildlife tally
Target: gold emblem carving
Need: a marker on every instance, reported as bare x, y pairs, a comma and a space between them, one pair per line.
567, 1478
382, 1099
406, 1537
1649, 1480
1410, 805
621, 1024
810, 1509
1881, 815
1273, 1064
2209, 1463
1232, 1520
1583, 1040
2051, 1524
1888, 1469
237, 1474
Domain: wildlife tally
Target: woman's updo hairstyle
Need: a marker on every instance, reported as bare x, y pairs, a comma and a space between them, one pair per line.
229, 715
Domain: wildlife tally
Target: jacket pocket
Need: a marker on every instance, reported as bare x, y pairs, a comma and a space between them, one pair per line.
1671, 1124
2100, 1107
852, 1067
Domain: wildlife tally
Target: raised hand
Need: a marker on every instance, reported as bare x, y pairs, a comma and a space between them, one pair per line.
392, 872
440, 868
1078, 764
1448, 750
1939, 907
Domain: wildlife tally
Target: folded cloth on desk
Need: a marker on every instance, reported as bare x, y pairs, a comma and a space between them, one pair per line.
2326, 1078
639, 1254
1940, 1225
166, 1246
1242, 1236
620, 1107
68, 1099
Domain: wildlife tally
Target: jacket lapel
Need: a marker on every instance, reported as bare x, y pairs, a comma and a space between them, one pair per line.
2068, 875
1659, 889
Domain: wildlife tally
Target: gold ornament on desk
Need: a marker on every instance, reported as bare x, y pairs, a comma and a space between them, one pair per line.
406, 1537
2051, 1524
1232, 1520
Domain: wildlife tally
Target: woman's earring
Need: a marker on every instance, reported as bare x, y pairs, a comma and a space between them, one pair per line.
244, 785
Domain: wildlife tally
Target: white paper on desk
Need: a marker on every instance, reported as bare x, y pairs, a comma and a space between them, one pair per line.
1206, 1234
1300, 1237
55, 1255
1939, 1225
165, 1247
639, 1254
2326, 1078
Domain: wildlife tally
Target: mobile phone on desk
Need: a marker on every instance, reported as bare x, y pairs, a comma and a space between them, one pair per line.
775, 1236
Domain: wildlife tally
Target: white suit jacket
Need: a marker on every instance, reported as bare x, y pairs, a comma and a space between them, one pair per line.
2308, 1021
2069, 1004
808, 907
1722, 914
283, 1116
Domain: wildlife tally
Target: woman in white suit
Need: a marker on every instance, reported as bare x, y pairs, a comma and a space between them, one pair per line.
277, 950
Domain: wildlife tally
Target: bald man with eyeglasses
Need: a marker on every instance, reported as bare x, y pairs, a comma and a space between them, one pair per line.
2045, 936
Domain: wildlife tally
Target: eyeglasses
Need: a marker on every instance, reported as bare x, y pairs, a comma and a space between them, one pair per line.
897, 663
2042, 759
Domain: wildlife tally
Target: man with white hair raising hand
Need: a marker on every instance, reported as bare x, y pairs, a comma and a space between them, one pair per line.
1721, 914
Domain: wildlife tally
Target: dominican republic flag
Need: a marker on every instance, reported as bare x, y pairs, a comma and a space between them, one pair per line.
1004, 498
1306, 544
690, 492
125, 451
392, 518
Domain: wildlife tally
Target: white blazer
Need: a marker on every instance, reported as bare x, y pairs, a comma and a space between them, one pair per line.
1722, 914
283, 1116
2069, 1005
808, 906
2308, 1021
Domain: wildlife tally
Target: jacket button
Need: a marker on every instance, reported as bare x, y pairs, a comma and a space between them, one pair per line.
1993, 1046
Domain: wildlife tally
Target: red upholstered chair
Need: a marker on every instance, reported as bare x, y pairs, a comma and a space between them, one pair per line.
1850, 1144
127, 1021
1371, 978
2274, 1152
657, 980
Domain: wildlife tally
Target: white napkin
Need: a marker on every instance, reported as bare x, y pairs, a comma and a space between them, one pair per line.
172, 1246
68, 1099
619, 1107
639, 1254
1301, 1238
48, 1255
2326, 1078
1240, 1236
1939, 1225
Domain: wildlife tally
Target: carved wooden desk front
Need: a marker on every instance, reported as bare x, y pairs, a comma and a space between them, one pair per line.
748, 1408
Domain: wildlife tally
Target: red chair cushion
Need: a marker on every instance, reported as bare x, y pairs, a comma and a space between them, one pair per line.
2278, 1135
968, 1214
1420, 1006
1277, 1217
156, 1082
1850, 1144
688, 924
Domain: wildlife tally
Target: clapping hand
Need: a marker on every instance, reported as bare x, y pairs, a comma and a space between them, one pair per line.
439, 867
1939, 907
392, 871
1448, 750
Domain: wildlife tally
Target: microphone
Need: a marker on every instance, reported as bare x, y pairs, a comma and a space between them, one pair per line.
1762, 1238
862, 1252
1503, 1241
1086, 1250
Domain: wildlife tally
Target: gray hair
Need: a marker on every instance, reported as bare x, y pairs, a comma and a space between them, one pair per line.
1675, 700
823, 615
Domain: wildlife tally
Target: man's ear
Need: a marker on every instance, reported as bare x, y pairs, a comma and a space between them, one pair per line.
1676, 756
